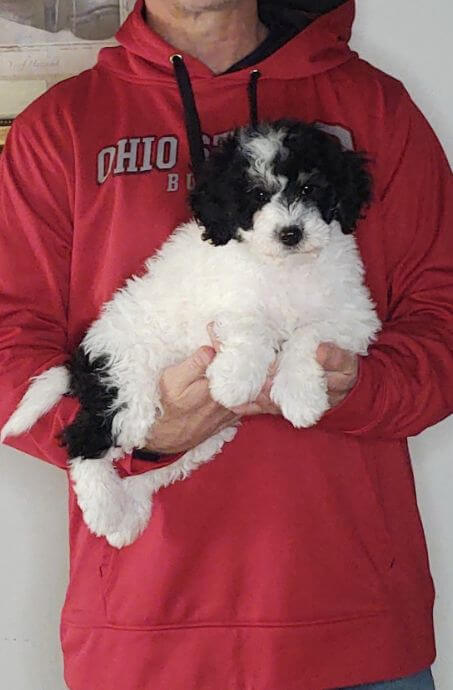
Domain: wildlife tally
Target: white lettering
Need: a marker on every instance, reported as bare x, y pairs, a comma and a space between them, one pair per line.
341, 133
217, 138
167, 153
143, 154
148, 149
190, 181
107, 155
130, 155
173, 182
207, 143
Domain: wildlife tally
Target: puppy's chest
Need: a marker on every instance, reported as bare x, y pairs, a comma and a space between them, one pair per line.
294, 299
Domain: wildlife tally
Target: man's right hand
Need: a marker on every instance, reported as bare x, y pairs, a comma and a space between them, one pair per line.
190, 414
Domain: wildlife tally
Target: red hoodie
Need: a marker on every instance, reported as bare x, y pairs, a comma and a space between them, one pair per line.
296, 560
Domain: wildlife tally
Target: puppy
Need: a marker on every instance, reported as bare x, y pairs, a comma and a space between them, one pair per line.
270, 259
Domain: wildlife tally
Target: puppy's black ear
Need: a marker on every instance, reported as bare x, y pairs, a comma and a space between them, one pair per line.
353, 186
218, 195
314, 150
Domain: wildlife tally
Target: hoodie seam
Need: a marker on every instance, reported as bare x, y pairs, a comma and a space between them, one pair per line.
244, 74
202, 625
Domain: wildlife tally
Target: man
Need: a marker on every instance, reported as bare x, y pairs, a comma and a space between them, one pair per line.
296, 560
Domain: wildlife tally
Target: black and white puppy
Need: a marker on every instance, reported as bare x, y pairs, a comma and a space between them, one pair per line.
270, 259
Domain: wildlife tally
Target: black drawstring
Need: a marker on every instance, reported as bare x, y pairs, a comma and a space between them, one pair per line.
193, 127
192, 119
252, 91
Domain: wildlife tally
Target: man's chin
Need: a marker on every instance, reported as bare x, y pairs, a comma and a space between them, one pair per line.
205, 5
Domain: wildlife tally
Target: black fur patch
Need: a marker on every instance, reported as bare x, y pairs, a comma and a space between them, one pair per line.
90, 434
221, 200
341, 182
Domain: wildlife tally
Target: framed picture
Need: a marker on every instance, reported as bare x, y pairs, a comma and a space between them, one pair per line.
4, 127
126, 7
44, 41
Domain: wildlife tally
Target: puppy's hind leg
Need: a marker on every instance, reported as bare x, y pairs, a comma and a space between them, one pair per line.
99, 491
141, 488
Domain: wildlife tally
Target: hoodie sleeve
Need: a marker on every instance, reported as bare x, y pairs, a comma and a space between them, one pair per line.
35, 262
406, 382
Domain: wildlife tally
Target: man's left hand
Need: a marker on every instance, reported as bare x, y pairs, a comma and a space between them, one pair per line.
341, 368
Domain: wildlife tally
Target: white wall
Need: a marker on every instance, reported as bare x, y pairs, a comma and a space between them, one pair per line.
411, 43
34, 556
411, 39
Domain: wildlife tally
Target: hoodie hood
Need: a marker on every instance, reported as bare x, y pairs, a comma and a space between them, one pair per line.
322, 30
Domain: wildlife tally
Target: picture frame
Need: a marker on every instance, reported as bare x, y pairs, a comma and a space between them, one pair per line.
45, 41
5, 124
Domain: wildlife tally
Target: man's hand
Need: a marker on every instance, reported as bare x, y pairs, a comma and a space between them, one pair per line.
190, 414
341, 368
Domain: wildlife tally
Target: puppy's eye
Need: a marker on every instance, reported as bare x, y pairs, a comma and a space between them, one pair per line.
307, 190
262, 195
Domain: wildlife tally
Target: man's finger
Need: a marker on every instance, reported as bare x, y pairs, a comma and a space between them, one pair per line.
336, 399
181, 376
247, 410
338, 382
333, 358
231, 422
273, 369
214, 339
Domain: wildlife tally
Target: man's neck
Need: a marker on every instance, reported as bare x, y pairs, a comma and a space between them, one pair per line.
217, 37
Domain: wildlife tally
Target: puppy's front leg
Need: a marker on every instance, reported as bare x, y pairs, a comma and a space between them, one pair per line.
300, 387
239, 370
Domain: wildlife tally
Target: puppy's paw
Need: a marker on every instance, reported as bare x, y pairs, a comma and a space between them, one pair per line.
134, 522
118, 509
233, 379
302, 401
103, 512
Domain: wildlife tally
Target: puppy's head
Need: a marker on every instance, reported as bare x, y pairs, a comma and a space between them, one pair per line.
279, 188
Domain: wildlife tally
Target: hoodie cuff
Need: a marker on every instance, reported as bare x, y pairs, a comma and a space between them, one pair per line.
134, 463
352, 415
148, 455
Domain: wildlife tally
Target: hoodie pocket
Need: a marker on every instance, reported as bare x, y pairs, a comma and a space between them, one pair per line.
265, 540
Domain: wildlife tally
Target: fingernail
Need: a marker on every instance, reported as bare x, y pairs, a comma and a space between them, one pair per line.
205, 355
322, 353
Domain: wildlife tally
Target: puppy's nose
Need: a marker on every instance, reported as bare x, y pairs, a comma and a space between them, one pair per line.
290, 236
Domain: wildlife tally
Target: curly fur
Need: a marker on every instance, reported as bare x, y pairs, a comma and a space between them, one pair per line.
90, 434
342, 181
270, 259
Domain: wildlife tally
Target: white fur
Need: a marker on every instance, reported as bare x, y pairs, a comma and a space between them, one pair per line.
43, 393
261, 151
120, 509
265, 299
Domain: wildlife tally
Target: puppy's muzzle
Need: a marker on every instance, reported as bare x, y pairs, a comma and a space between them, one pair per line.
290, 236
